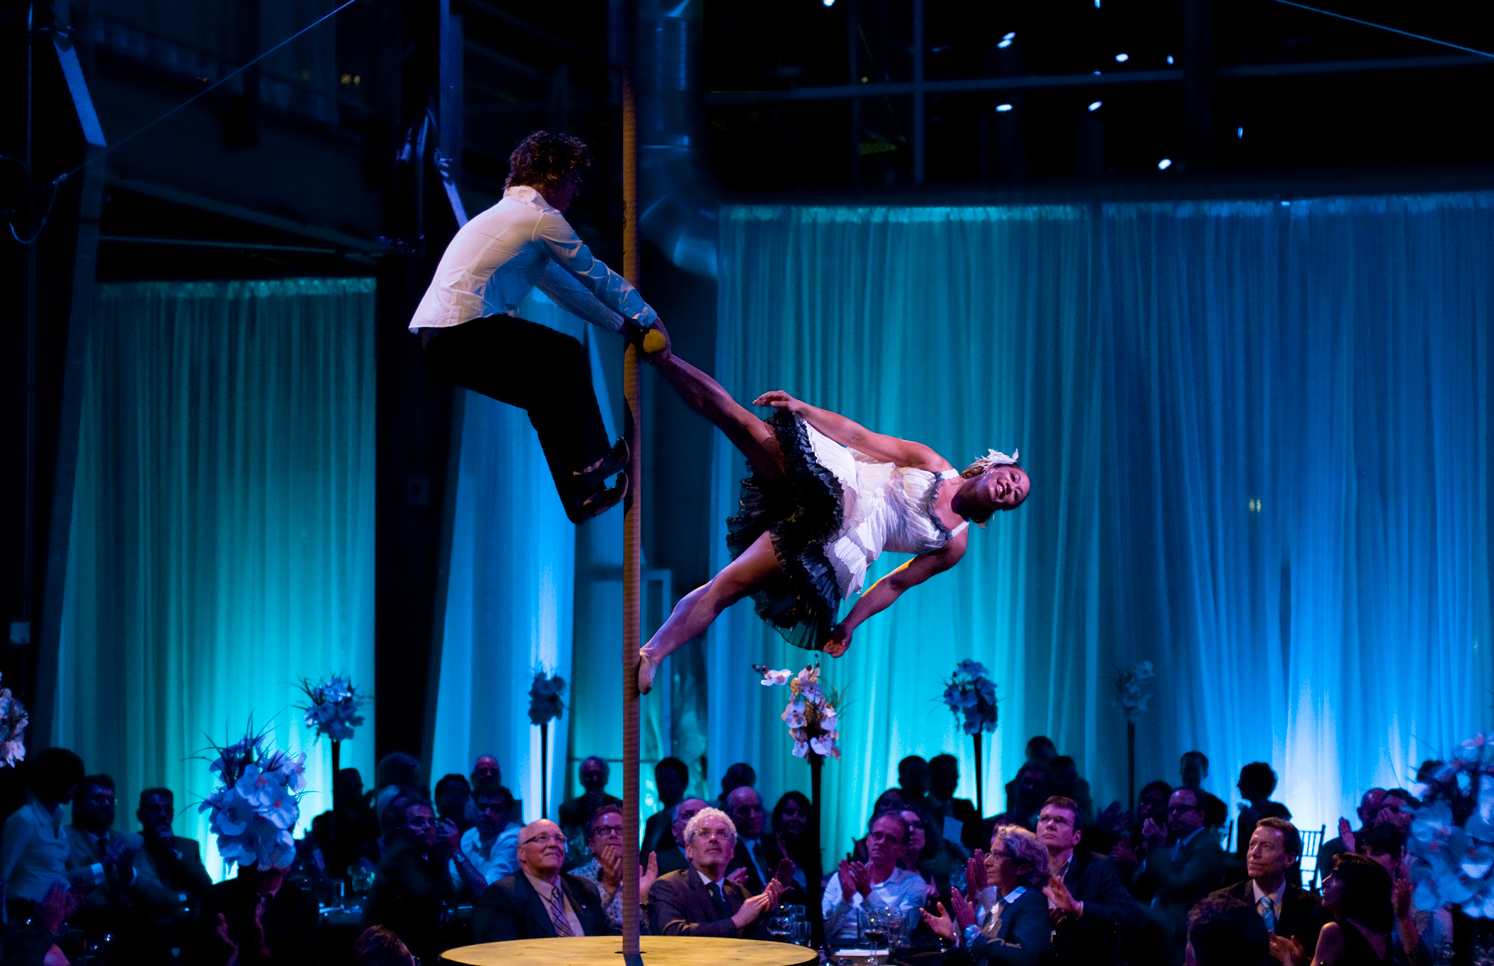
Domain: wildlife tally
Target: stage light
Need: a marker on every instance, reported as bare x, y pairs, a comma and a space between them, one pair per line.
829, 3
1239, 132
1164, 164
1094, 105
1003, 108
1169, 58
1122, 58
1007, 40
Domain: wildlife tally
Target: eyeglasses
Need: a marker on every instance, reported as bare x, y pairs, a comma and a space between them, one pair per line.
609, 830
546, 838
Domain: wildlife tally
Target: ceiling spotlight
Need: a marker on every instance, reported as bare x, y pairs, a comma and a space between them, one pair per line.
1169, 58
828, 3
1164, 164
1007, 40
1094, 105
1239, 132
1003, 108
1122, 58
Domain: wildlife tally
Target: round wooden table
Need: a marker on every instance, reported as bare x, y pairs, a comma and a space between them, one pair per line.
607, 951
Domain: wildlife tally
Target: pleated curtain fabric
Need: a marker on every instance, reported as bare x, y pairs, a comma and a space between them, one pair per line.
1258, 437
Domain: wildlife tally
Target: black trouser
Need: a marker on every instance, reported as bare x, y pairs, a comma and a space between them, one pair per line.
544, 372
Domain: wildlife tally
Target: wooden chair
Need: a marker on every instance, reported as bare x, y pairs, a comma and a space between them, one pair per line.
1307, 865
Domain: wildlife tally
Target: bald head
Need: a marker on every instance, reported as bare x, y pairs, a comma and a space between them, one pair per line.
745, 807
542, 849
683, 812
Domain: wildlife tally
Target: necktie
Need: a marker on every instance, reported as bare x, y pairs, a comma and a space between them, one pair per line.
723, 911
556, 902
1268, 913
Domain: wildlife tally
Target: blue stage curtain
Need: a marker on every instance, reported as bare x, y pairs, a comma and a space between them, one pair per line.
1258, 436
222, 541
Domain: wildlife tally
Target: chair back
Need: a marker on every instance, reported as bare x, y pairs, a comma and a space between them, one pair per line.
1307, 866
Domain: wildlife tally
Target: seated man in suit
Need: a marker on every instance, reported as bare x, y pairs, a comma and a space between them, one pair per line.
700, 900
1274, 887
1092, 911
1178, 876
673, 858
539, 901
746, 811
1010, 927
95, 849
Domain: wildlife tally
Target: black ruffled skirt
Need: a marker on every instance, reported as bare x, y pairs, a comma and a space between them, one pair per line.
801, 511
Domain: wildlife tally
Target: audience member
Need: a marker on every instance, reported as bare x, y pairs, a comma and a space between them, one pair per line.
1093, 913
396, 773
539, 901
913, 778
1257, 782
919, 849
343, 832
1225, 931
33, 846
1385, 845
454, 801
485, 770
736, 776
1274, 887
946, 810
1193, 768
168, 889
492, 845
878, 883
1065, 780
381, 946
576, 812
1039, 748
96, 849
671, 778
413, 884
746, 811
1376, 807
1151, 804
263, 918
673, 858
604, 837
1010, 924
1034, 786
790, 840
1358, 894
701, 900
1176, 877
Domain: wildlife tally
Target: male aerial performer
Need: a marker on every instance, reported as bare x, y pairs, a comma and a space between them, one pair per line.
470, 336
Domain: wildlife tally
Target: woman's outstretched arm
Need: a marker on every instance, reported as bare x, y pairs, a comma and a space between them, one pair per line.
880, 595
848, 432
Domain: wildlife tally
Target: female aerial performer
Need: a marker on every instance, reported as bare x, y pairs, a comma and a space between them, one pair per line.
825, 498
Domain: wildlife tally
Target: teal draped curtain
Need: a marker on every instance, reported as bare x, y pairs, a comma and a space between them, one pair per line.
1258, 439
222, 540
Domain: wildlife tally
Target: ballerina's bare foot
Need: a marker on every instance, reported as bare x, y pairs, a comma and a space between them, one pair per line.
647, 668
835, 649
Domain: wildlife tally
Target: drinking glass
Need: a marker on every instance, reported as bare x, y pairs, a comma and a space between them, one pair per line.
875, 924
781, 928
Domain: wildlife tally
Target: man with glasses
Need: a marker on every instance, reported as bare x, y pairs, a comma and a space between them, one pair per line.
672, 859
539, 901
604, 837
1092, 913
1177, 876
701, 900
878, 884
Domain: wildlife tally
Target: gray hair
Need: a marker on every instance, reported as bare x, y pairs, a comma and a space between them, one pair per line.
1023, 846
709, 812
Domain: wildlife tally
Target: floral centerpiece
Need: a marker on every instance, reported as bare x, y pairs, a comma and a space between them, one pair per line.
333, 710
13, 720
971, 695
812, 713
1452, 836
256, 803
545, 706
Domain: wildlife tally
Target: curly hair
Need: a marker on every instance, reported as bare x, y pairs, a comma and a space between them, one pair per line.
1022, 846
542, 160
704, 814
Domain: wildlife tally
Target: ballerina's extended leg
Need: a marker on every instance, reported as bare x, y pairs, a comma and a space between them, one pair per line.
695, 611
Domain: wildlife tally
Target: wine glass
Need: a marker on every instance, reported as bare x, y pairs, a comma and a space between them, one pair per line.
875, 925
781, 928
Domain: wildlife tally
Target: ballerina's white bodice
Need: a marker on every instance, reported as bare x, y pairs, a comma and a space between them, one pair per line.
884, 507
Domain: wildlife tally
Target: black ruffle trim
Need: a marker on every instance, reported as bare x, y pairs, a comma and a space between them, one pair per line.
801, 511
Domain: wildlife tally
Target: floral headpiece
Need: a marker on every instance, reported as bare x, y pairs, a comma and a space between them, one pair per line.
993, 458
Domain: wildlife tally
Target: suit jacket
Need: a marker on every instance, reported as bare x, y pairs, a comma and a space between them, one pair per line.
161, 876
1301, 915
740, 860
679, 905
409, 893
1110, 917
1176, 884
1021, 935
511, 909
672, 859
83, 851
290, 923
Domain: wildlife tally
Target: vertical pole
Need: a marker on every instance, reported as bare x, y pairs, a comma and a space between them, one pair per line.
980, 784
919, 154
815, 910
633, 506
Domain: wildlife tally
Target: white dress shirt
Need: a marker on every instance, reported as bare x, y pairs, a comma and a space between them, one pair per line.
903, 890
497, 860
33, 851
518, 244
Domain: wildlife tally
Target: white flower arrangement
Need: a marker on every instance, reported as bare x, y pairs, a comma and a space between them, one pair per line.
812, 715
1133, 689
257, 802
333, 710
1452, 836
13, 720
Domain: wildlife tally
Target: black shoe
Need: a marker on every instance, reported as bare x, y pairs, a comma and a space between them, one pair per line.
609, 465
596, 502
